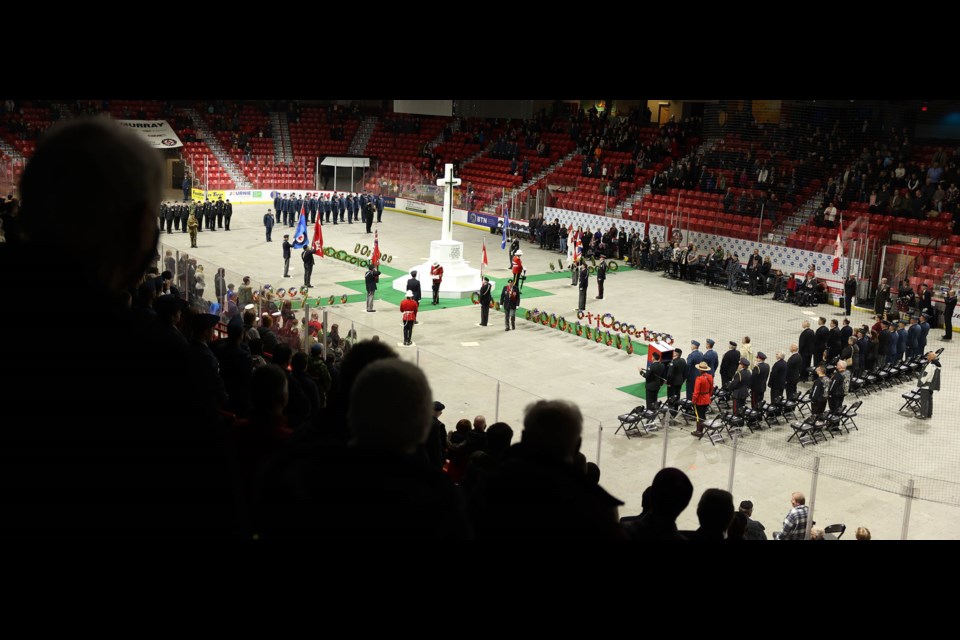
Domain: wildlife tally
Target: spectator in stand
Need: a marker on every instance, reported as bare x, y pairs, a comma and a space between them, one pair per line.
540, 477
714, 512
754, 530
670, 494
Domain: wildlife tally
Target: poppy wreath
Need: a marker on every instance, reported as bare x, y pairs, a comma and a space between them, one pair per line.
578, 328
562, 323
598, 336
363, 263
496, 306
528, 315
588, 333
545, 319
329, 252
304, 290
630, 348
343, 299
612, 266
475, 297
608, 339
331, 299
619, 342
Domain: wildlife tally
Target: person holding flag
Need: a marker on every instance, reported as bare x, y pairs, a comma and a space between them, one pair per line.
300, 242
375, 256
838, 247
485, 299
483, 259
317, 244
506, 225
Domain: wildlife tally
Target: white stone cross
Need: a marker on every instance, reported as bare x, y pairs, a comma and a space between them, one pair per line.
449, 182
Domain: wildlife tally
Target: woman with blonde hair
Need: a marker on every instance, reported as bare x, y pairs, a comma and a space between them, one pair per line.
863, 533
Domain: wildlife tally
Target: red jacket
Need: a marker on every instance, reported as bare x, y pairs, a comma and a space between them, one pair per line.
703, 389
437, 273
517, 265
409, 308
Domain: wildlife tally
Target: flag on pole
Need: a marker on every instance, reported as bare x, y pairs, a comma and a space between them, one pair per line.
571, 240
506, 223
300, 235
578, 248
838, 248
375, 256
483, 260
317, 239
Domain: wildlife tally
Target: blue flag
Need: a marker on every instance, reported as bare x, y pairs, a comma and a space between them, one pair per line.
506, 223
300, 235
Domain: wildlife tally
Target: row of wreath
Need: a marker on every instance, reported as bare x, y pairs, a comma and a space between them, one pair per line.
576, 328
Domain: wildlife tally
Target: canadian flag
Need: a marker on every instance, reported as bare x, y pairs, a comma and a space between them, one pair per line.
483, 260
838, 249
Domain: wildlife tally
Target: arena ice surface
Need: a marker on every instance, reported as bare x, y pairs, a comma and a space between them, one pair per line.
541, 362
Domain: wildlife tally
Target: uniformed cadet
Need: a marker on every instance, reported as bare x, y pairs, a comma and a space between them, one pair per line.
192, 225
227, 213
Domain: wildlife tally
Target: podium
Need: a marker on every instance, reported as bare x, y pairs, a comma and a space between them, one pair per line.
665, 350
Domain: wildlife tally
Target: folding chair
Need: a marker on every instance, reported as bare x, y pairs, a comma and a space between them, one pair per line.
628, 422
773, 411
847, 416
714, 427
831, 422
834, 531
805, 432
911, 401
803, 401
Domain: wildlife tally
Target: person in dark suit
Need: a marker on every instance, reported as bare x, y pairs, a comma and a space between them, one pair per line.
308, 262
486, 298
849, 291
845, 331
741, 386
676, 376
926, 300
795, 368
656, 376
711, 358
834, 343
368, 212
778, 378
806, 344
820, 339
601, 276
949, 304
184, 218
187, 186
758, 380
227, 214
218, 212
728, 366
884, 338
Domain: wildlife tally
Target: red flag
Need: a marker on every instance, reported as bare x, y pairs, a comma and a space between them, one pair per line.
483, 260
317, 238
838, 249
375, 258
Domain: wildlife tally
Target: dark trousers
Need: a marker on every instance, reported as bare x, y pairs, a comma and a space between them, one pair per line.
776, 394
307, 272
791, 388
835, 404
484, 312
583, 299
369, 222
652, 397
436, 292
170, 225
183, 226
756, 397
220, 220
846, 304
379, 214
600, 289
947, 326
407, 331
186, 194
738, 405
816, 408
226, 222
269, 234
673, 391
286, 267
926, 403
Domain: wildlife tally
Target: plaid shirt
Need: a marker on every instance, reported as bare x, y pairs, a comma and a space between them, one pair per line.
795, 524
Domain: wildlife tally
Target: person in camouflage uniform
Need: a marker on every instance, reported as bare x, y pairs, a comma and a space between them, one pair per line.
192, 225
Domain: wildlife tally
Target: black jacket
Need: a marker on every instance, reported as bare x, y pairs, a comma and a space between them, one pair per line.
806, 343
741, 384
758, 377
414, 285
307, 256
656, 375
820, 339
729, 363
778, 375
677, 373
794, 367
